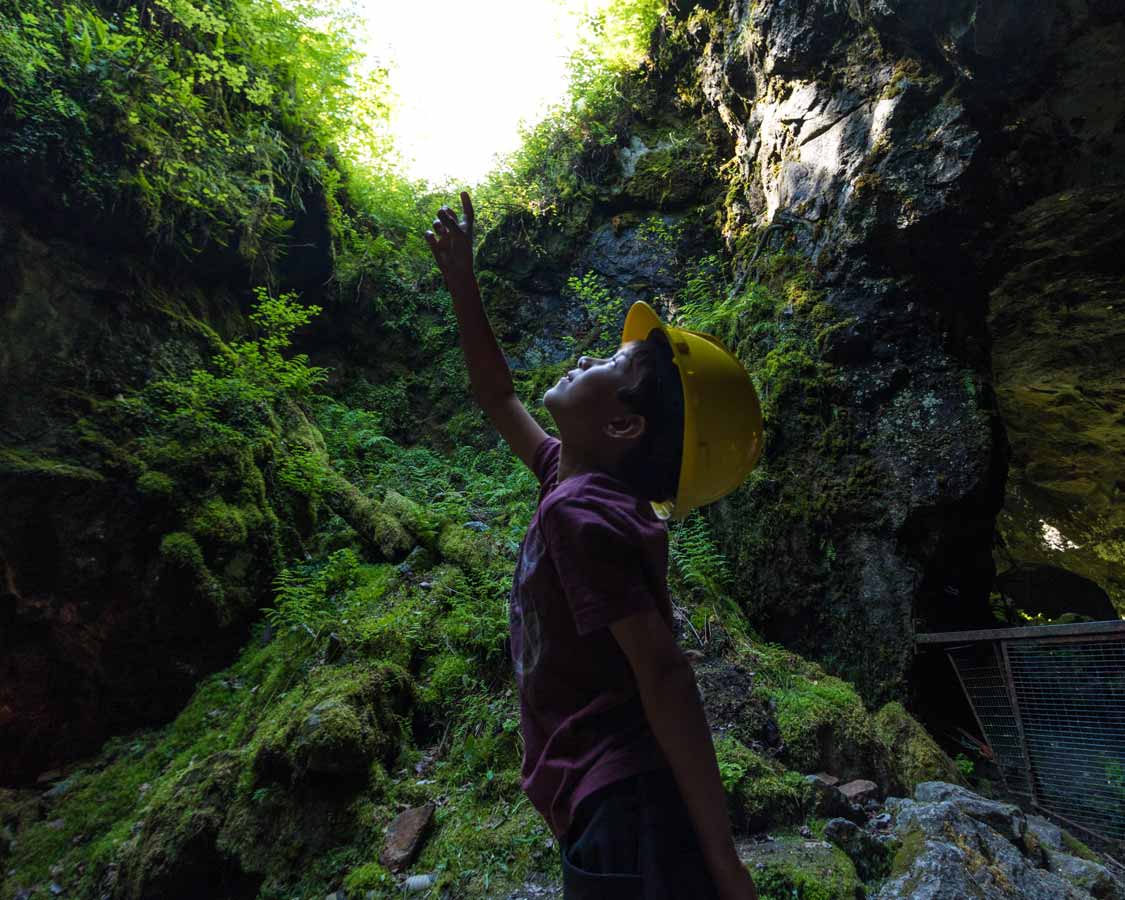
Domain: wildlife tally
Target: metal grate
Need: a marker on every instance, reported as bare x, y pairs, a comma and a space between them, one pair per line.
982, 677
1071, 699
1050, 701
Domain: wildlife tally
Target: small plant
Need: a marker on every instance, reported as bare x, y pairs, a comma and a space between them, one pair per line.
696, 557
964, 765
260, 362
311, 597
603, 308
733, 764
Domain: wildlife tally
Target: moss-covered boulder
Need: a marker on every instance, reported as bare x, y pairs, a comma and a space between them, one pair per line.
339, 722
791, 867
914, 756
789, 720
761, 792
174, 854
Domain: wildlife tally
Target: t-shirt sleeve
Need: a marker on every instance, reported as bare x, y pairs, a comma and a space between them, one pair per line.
599, 560
545, 459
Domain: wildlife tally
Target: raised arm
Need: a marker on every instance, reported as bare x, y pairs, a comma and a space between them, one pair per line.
452, 245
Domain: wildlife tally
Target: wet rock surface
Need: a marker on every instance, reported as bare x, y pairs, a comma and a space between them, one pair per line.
955, 843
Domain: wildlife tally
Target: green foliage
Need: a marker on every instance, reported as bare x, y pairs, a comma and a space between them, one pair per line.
602, 308
696, 557
258, 362
558, 157
464, 485
214, 119
733, 761
212, 449
964, 765
207, 115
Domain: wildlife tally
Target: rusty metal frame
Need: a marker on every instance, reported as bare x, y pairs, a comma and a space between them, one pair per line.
980, 724
999, 638
1082, 630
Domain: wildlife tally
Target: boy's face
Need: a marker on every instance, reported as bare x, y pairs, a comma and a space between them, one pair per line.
584, 402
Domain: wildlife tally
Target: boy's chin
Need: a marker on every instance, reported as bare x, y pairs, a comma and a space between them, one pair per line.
551, 402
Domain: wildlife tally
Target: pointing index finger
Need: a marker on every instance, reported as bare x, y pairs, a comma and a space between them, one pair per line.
467, 206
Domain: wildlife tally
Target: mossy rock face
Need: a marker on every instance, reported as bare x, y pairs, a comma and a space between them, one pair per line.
343, 719
1059, 333
672, 172
790, 867
174, 854
914, 755
145, 507
761, 793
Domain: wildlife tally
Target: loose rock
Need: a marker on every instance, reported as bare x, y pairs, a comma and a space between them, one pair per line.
871, 858
860, 791
404, 837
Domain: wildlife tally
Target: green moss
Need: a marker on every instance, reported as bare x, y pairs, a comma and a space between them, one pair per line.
763, 794
1075, 847
671, 175
914, 756
156, 484
380, 530
110, 793
368, 877
821, 721
180, 551
339, 721
24, 462
412, 517
447, 678
220, 522
465, 547
488, 848
789, 870
913, 845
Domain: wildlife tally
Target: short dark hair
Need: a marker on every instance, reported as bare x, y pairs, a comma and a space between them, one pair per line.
652, 468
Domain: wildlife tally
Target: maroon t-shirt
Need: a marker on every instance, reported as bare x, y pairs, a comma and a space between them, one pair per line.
593, 554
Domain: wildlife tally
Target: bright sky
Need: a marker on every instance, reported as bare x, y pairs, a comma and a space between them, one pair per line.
466, 72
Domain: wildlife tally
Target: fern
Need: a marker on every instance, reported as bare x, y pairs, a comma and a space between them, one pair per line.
697, 560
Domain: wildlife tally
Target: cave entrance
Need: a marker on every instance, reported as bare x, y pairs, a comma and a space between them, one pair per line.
1049, 702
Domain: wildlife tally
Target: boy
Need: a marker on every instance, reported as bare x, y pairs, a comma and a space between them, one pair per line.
618, 756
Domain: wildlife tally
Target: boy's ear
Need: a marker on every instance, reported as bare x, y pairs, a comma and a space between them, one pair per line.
626, 427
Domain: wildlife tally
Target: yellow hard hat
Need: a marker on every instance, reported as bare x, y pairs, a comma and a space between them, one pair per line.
722, 416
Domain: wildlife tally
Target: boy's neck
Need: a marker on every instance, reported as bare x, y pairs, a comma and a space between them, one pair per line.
574, 462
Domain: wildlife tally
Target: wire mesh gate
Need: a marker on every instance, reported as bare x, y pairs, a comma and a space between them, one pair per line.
1050, 701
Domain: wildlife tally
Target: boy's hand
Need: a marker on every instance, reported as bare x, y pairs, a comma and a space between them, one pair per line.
453, 244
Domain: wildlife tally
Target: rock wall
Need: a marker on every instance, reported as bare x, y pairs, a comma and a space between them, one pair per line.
950, 168
130, 558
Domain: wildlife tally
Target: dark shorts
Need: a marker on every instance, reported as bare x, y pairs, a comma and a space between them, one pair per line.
634, 840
